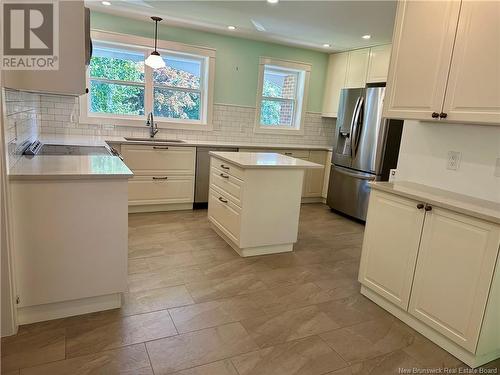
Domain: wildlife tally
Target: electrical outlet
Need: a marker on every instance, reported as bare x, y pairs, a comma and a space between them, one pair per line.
454, 160
497, 168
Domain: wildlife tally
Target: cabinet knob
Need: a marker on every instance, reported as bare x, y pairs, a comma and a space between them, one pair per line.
443, 115
435, 115
420, 206
428, 208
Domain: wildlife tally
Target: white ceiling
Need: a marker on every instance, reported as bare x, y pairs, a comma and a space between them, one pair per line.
307, 24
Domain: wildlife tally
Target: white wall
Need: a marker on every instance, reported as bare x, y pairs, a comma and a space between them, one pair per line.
424, 153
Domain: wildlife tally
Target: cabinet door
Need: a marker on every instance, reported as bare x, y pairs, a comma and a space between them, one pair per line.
335, 80
314, 177
473, 92
455, 265
378, 65
69, 79
357, 67
420, 59
390, 246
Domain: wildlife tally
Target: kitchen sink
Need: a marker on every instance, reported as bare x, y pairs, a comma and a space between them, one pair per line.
154, 140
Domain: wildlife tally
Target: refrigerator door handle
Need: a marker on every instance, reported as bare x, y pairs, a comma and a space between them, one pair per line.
351, 131
357, 124
358, 175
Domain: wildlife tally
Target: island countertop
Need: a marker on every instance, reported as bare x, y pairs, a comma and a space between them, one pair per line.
264, 160
69, 167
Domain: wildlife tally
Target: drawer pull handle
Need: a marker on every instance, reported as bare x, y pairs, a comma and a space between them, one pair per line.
435, 115
420, 206
288, 153
223, 166
160, 178
223, 200
160, 148
224, 175
428, 208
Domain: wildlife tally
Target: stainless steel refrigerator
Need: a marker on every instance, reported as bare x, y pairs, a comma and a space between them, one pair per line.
366, 147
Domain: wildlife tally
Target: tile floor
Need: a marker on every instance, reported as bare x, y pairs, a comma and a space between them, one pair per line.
194, 307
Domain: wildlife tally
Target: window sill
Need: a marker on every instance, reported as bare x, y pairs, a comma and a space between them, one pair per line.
128, 122
280, 130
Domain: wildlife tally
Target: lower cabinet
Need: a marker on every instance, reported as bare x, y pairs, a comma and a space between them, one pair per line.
164, 177
160, 190
437, 266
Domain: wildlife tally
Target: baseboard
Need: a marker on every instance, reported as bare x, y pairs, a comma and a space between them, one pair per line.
253, 251
50, 311
313, 200
159, 207
465, 356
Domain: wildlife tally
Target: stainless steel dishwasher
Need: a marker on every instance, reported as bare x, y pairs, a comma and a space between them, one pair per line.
203, 174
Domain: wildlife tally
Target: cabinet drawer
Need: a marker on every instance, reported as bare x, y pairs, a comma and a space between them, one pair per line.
160, 190
227, 183
228, 168
224, 214
159, 160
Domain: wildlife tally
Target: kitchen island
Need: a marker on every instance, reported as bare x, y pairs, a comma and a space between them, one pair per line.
70, 234
254, 200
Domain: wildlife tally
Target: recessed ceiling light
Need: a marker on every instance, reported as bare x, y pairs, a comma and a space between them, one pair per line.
230, 27
107, 3
273, 1
326, 45
367, 36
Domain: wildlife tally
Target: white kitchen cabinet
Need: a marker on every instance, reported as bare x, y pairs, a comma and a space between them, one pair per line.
164, 177
314, 177
434, 266
157, 160
378, 65
357, 67
353, 69
74, 39
421, 54
254, 201
473, 91
335, 81
445, 69
147, 190
389, 254
456, 261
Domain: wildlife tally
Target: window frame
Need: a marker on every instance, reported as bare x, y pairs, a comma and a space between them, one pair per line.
143, 45
303, 71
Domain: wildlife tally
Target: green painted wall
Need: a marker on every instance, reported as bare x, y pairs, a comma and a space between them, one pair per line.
237, 59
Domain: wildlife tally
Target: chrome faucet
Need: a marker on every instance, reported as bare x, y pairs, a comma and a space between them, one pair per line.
153, 126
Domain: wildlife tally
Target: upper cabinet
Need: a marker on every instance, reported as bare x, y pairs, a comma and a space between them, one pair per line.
335, 81
74, 52
446, 68
353, 69
357, 67
379, 63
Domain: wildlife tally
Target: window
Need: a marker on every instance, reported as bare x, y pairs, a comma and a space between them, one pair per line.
281, 96
123, 90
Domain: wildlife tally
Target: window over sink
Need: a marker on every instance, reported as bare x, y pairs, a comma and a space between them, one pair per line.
122, 90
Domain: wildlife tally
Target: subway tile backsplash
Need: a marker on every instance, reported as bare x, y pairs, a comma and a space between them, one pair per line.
30, 114
59, 115
22, 121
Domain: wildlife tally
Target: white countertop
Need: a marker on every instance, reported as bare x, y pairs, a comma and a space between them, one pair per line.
69, 167
475, 207
80, 140
263, 160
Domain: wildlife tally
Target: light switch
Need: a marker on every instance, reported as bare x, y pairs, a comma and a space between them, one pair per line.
497, 168
454, 160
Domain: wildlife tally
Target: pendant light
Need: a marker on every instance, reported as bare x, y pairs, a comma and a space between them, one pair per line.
154, 60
